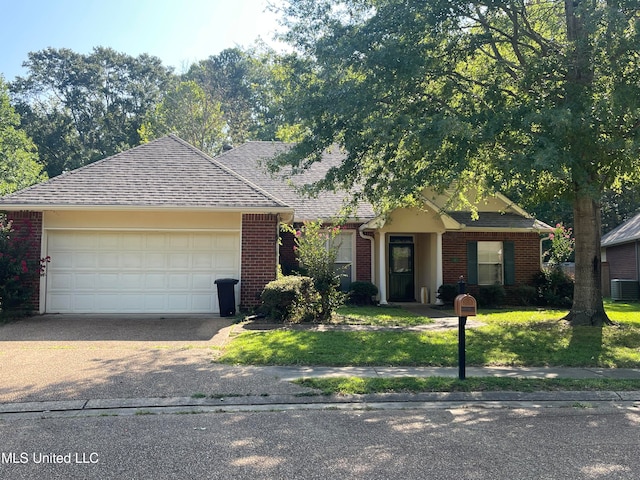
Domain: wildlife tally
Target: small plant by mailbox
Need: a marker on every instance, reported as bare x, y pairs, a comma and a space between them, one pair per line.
465, 306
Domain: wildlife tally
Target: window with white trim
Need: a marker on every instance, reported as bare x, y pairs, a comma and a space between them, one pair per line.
490, 263
343, 265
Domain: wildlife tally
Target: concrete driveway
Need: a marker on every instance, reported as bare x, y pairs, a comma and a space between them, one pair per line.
69, 357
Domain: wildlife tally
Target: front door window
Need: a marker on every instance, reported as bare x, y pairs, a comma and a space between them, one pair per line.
401, 264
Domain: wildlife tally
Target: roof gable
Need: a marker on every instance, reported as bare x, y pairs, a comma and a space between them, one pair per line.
249, 160
164, 173
627, 232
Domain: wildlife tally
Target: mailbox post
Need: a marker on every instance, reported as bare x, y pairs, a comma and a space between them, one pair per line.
465, 306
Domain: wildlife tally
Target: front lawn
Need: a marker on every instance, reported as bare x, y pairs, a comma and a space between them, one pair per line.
360, 386
381, 316
523, 337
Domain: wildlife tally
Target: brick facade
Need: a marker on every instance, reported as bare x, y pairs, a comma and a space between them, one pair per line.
259, 256
32, 223
454, 254
362, 254
363, 257
623, 261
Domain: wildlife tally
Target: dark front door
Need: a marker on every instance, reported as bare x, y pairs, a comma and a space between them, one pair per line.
401, 283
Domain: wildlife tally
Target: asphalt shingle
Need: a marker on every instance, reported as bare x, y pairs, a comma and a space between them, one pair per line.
497, 220
629, 231
167, 172
249, 160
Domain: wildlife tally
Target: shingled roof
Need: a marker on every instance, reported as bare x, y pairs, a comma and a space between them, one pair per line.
164, 173
489, 220
249, 160
629, 231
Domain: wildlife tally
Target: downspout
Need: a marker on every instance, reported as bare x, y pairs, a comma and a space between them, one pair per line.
638, 260
541, 254
372, 253
278, 219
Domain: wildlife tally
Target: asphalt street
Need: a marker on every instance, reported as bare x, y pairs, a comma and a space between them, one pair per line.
466, 443
111, 398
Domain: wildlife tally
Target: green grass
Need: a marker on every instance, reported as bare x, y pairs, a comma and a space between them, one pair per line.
523, 337
359, 386
381, 316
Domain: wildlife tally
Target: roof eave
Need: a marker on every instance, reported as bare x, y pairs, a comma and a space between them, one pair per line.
66, 207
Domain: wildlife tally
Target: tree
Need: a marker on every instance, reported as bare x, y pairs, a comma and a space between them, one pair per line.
189, 113
316, 253
243, 82
81, 108
19, 166
540, 95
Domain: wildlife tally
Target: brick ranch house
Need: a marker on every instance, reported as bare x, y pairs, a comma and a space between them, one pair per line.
150, 229
621, 257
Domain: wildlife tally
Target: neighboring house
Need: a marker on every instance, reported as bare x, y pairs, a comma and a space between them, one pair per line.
150, 229
621, 252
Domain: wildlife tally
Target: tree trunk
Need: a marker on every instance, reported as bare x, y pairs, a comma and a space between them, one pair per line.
587, 308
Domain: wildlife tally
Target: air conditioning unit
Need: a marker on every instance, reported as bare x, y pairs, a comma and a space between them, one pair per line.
626, 290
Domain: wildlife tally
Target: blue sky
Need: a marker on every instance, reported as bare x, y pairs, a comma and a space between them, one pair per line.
180, 32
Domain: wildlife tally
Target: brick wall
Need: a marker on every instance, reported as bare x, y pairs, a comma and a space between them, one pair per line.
454, 254
363, 257
31, 222
362, 254
258, 267
622, 261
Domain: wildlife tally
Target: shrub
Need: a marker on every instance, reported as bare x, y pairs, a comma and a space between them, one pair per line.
316, 252
19, 272
555, 288
491, 295
447, 293
525, 295
292, 298
362, 293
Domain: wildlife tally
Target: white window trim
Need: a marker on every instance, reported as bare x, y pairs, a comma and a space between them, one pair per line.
501, 263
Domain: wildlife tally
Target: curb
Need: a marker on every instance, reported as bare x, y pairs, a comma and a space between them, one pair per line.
441, 400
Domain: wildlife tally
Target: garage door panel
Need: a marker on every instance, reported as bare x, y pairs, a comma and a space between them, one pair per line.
110, 241
178, 281
203, 281
179, 261
109, 259
84, 281
155, 281
136, 272
132, 260
60, 281
225, 242
225, 262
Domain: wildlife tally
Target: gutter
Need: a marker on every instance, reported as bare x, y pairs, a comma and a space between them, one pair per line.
372, 249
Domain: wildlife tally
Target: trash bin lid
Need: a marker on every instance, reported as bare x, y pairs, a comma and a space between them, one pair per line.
226, 280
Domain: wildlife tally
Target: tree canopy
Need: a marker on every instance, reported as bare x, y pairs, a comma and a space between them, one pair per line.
190, 113
81, 108
242, 81
19, 165
538, 97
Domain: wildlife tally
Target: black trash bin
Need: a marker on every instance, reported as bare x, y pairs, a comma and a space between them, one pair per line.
226, 296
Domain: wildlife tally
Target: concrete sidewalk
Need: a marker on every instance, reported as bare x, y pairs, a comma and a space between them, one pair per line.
77, 365
309, 399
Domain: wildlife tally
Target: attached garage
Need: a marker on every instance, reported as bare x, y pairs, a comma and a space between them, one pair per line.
138, 272
149, 230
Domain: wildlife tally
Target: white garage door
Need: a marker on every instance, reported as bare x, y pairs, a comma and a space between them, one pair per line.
138, 272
